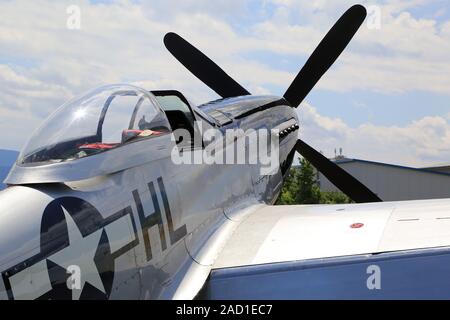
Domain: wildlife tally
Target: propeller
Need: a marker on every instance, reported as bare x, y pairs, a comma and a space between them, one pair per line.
203, 67
344, 181
319, 62
325, 54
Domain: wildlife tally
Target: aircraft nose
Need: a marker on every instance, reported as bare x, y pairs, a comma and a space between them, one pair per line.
21, 211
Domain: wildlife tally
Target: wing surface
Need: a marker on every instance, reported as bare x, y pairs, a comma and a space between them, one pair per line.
330, 251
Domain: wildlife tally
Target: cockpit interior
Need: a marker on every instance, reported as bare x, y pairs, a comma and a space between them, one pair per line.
104, 119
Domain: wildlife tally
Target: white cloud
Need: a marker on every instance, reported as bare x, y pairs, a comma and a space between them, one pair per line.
122, 42
420, 143
42, 63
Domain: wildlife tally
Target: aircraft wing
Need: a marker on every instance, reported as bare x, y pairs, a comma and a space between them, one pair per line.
331, 251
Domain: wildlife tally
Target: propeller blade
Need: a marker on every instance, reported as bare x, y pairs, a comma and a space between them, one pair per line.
345, 182
202, 67
325, 54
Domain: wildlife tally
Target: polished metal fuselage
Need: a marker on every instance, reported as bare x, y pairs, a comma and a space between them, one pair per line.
161, 225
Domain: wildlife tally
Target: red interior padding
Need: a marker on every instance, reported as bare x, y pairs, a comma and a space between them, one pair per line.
98, 145
140, 131
102, 146
132, 131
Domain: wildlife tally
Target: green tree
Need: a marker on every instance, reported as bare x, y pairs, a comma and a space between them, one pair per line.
301, 187
290, 188
333, 197
308, 188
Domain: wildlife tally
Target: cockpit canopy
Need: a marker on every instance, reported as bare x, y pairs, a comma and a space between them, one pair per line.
103, 119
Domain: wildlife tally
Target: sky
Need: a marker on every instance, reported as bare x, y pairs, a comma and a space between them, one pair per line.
386, 99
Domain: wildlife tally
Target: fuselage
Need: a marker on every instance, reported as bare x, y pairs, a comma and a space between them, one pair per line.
147, 226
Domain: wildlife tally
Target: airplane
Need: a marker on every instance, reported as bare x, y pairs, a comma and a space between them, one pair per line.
96, 208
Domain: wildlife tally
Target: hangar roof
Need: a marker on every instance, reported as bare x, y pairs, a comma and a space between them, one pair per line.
427, 170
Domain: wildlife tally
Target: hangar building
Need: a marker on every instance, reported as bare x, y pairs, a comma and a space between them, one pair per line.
393, 182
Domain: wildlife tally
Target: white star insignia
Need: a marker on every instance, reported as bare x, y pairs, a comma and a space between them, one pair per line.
80, 253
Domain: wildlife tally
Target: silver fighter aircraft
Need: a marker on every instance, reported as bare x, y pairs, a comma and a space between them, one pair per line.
97, 208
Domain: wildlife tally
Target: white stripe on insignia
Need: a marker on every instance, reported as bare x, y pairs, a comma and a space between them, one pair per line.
31, 282
119, 233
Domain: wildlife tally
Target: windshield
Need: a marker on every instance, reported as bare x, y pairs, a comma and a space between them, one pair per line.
100, 120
